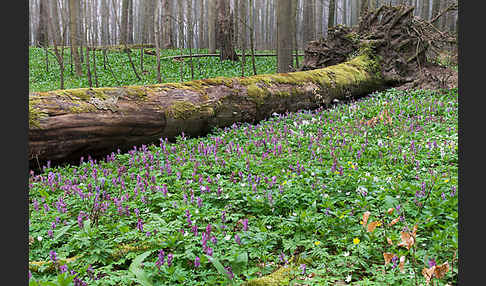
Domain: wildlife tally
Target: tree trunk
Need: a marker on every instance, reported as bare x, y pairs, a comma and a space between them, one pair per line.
284, 35
67, 124
180, 9
319, 18
168, 37
309, 27
73, 35
124, 22
425, 9
202, 33
244, 31
212, 25
435, 11
42, 40
225, 31
332, 10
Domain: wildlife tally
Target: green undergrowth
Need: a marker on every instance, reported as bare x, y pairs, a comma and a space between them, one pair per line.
41, 79
277, 203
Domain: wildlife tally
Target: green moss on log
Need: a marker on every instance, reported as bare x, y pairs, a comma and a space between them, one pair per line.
281, 276
181, 109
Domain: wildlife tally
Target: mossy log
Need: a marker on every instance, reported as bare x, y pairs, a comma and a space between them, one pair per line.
67, 124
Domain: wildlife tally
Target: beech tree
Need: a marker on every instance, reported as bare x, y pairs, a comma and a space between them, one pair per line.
284, 38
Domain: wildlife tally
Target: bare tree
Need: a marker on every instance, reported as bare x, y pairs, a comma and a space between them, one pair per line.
332, 10
309, 26
124, 22
73, 33
435, 11
157, 44
243, 13
42, 40
167, 33
225, 31
212, 13
201, 32
284, 38
59, 52
425, 9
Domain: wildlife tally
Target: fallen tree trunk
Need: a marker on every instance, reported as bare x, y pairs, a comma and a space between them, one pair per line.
67, 124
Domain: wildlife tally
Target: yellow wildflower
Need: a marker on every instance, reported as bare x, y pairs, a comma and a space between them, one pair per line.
446, 180
355, 240
317, 243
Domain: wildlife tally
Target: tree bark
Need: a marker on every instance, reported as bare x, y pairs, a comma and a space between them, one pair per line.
332, 10
42, 40
309, 27
212, 25
284, 35
73, 35
67, 124
425, 9
167, 34
225, 31
124, 22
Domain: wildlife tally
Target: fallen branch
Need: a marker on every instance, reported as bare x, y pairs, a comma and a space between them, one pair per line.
148, 52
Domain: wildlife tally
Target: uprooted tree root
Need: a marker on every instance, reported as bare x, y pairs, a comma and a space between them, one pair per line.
402, 43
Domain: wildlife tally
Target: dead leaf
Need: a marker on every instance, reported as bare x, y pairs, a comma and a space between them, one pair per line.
414, 231
441, 270
388, 256
428, 273
407, 240
390, 210
402, 263
372, 225
366, 215
389, 241
394, 221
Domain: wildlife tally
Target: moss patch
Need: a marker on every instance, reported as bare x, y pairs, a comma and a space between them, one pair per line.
181, 110
281, 276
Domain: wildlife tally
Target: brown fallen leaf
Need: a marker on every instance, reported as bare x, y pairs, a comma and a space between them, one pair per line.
389, 241
428, 273
388, 257
372, 225
441, 270
366, 215
402, 263
407, 240
390, 210
394, 221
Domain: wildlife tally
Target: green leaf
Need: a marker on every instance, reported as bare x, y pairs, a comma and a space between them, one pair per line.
219, 267
62, 231
134, 268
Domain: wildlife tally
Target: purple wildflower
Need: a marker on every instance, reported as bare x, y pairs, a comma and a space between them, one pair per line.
160, 259
209, 251
394, 260
140, 224
282, 258
431, 262
303, 268
197, 262
170, 256
63, 268
53, 255
237, 239
245, 224
229, 271
50, 233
